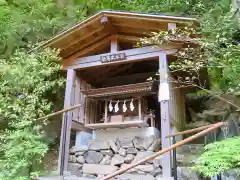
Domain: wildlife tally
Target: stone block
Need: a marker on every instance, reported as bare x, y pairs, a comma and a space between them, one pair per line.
143, 143
72, 158
163, 178
98, 169
80, 159
145, 168
140, 168
107, 152
71, 177
72, 150
117, 160
132, 151
122, 152
106, 160
233, 174
79, 153
75, 168
142, 154
88, 176
129, 158
93, 157
185, 173
186, 159
191, 149
100, 176
128, 176
126, 142
157, 162
156, 172
97, 145
155, 146
82, 148
114, 133
113, 146
75, 149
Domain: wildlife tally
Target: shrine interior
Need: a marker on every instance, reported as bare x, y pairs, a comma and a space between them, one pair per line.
121, 94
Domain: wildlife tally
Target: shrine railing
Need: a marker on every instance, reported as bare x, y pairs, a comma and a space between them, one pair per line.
59, 112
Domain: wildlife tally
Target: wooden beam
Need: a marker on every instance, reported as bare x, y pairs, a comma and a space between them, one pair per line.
126, 38
141, 26
129, 59
67, 123
92, 61
113, 72
99, 44
72, 51
104, 20
125, 124
88, 50
123, 79
84, 37
133, 31
167, 19
77, 126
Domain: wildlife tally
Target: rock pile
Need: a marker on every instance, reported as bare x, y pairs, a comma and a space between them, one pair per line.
103, 157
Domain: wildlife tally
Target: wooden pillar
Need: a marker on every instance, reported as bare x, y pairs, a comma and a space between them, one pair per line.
140, 109
67, 123
106, 112
114, 44
164, 98
177, 109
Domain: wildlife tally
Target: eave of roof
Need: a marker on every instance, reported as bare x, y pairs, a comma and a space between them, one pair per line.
179, 19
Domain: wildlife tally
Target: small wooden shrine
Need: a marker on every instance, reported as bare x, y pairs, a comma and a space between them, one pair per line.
108, 75
123, 106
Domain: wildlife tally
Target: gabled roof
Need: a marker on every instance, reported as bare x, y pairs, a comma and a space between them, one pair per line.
106, 23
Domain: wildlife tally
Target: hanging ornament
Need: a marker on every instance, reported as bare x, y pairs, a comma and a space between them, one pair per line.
124, 106
110, 107
116, 107
131, 105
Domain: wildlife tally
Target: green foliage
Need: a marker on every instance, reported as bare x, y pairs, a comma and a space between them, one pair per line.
218, 48
219, 157
218, 51
26, 22
220, 30
29, 83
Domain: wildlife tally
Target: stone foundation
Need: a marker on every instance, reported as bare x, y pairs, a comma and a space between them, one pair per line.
103, 157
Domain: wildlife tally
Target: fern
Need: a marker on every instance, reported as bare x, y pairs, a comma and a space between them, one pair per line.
219, 157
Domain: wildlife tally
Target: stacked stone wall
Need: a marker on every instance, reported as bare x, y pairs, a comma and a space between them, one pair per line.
102, 157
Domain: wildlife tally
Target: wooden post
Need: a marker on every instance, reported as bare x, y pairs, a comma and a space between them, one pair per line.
114, 44
140, 109
67, 123
106, 112
165, 119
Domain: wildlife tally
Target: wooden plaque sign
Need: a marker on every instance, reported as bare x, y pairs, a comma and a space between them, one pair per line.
113, 57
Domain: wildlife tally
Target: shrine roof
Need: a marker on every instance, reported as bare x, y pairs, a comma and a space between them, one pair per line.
107, 23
